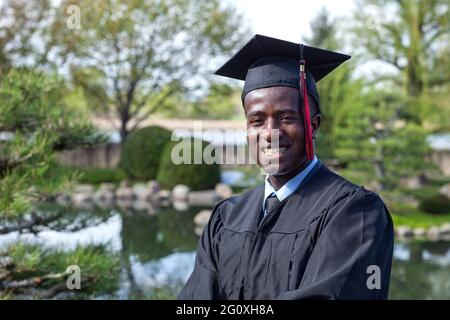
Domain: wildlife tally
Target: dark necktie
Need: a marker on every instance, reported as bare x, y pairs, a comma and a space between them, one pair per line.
271, 203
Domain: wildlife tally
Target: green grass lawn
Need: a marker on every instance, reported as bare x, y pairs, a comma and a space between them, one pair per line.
406, 214
417, 219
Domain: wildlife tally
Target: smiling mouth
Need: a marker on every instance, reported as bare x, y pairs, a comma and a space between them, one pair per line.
270, 152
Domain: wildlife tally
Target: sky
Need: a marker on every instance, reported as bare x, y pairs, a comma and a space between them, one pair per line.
289, 19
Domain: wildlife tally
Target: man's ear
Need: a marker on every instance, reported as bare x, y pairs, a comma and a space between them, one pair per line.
315, 124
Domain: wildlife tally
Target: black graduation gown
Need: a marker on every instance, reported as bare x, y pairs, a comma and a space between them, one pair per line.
318, 243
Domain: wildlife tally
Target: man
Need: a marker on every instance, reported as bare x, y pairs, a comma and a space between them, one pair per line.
307, 233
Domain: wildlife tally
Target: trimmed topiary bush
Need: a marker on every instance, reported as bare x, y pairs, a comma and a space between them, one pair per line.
141, 152
436, 204
196, 176
100, 175
93, 175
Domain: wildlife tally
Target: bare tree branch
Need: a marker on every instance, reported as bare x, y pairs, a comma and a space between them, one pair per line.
155, 107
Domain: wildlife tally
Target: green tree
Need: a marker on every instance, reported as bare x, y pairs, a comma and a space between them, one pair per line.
21, 23
221, 101
130, 56
405, 34
35, 123
376, 143
412, 36
381, 134
337, 90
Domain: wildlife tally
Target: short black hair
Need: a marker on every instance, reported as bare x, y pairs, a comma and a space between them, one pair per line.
314, 107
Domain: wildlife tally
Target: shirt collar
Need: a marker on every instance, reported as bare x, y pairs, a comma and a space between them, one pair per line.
289, 187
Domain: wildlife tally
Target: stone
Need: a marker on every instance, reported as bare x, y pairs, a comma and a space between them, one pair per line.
82, 201
420, 232
151, 209
104, 194
140, 205
445, 190
163, 198
105, 204
198, 230
180, 205
153, 186
81, 198
404, 231
107, 186
125, 184
124, 193
223, 190
202, 218
124, 204
163, 195
444, 229
141, 191
63, 199
84, 188
207, 198
433, 233
180, 192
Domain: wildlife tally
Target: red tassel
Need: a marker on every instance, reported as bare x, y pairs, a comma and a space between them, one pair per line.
309, 146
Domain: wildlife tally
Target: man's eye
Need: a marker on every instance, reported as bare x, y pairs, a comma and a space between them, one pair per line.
288, 118
256, 121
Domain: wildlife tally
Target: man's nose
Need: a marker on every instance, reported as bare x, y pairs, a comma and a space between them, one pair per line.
271, 130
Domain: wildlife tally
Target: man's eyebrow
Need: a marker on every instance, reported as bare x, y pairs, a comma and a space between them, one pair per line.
287, 110
255, 113
281, 111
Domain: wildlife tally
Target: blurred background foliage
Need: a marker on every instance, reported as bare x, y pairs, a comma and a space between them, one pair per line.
141, 59
128, 61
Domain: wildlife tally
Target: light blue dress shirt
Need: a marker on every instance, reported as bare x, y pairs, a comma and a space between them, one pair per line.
289, 187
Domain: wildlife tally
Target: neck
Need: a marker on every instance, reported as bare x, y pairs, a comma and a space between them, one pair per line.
277, 181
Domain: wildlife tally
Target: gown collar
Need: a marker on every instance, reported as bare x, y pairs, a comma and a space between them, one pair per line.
289, 187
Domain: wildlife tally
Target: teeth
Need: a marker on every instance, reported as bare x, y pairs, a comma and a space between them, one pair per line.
272, 151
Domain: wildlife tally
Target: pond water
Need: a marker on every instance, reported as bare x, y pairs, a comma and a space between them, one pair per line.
157, 253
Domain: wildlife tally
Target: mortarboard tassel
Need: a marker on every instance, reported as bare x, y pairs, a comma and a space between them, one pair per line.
309, 146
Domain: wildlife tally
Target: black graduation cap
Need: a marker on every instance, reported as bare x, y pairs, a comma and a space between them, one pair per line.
267, 62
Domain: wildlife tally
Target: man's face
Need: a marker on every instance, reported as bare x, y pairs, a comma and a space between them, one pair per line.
275, 130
